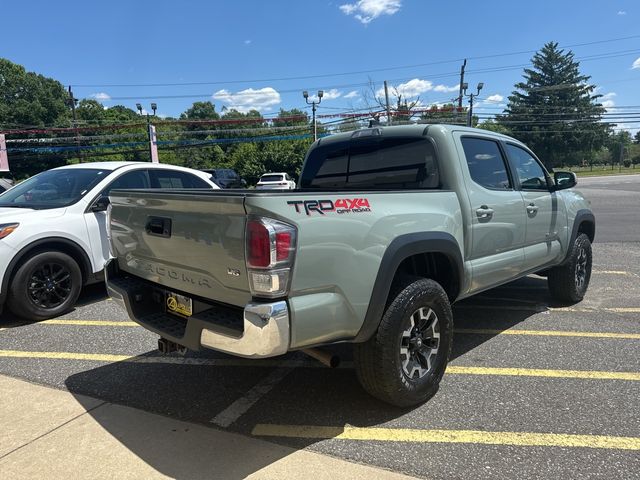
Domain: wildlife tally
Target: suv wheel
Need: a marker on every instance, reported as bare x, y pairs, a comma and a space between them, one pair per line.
403, 363
46, 285
569, 282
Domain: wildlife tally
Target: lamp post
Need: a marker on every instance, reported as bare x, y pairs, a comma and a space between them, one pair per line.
471, 97
154, 107
313, 104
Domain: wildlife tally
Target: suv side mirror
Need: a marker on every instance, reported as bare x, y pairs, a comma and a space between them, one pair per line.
564, 180
101, 204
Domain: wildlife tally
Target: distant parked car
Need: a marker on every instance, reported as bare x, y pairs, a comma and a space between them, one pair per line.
276, 181
53, 229
226, 178
5, 184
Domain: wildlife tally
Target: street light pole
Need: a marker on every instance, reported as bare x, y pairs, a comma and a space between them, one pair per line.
154, 107
313, 104
471, 97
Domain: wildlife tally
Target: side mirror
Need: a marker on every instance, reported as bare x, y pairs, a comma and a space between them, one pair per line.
564, 180
101, 204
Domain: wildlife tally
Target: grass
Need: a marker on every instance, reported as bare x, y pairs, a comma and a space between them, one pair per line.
600, 170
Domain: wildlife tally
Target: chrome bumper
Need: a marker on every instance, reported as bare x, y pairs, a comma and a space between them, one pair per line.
266, 332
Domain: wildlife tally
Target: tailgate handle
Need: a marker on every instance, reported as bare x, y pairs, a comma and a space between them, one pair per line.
158, 226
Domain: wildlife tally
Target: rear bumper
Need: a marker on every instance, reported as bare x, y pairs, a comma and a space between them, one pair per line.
260, 330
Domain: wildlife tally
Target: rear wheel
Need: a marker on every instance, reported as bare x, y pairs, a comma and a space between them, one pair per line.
403, 363
46, 285
569, 282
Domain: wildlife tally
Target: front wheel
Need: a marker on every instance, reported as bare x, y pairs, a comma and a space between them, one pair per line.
46, 285
569, 282
403, 363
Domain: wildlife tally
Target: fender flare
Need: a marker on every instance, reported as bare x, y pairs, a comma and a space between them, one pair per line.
582, 216
399, 249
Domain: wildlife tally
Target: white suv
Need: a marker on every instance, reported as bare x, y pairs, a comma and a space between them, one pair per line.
276, 181
53, 230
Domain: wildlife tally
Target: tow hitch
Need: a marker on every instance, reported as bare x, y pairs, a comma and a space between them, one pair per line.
167, 346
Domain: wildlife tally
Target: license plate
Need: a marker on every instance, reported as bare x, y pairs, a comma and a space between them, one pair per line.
179, 304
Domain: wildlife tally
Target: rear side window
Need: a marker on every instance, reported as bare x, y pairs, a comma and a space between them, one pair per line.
271, 178
486, 163
174, 179
387, 163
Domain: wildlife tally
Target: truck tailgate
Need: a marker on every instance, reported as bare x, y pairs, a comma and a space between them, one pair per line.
184, 241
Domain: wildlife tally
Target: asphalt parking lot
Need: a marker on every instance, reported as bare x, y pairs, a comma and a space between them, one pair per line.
534, 389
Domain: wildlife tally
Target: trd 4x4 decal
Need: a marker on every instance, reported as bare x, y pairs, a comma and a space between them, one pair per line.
341, 206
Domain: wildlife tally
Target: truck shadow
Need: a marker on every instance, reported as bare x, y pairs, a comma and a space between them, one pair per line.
191, 390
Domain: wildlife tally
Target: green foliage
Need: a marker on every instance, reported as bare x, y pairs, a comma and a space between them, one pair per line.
494, 126
555, 110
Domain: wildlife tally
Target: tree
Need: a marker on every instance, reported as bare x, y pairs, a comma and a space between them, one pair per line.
555, 110
636, 139
200, 111
447, 113
30, 100
91, 111
494, 126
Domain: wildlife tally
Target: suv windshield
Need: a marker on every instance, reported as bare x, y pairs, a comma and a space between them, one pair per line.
53, 188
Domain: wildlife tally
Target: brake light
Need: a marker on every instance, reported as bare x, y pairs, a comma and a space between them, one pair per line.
270, 249
259, 246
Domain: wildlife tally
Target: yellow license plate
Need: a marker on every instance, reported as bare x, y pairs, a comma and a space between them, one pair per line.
179, 304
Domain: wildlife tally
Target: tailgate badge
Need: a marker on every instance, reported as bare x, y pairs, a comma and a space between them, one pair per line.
234, 272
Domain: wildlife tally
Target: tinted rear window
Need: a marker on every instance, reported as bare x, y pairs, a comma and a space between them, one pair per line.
271, 178
373, 163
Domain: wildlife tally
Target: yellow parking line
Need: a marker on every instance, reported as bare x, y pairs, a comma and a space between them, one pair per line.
529, 439
547, 333
596, 310
536, 372
93, 323
97, 357
615, 272
232, 362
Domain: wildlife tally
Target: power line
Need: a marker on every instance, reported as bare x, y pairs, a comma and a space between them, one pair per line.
357, 72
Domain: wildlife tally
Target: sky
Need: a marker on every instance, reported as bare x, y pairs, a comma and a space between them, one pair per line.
261, 54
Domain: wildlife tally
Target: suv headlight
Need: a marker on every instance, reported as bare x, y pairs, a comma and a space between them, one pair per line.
7, 228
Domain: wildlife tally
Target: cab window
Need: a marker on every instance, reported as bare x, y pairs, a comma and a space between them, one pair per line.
486, 163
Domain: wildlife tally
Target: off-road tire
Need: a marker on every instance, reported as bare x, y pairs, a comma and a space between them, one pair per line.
33, 271
378, 361
569, 282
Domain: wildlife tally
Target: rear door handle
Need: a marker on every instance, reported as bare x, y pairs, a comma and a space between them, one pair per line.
532, 208
484, 212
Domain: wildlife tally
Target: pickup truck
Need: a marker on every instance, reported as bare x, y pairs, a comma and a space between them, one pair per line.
388, 227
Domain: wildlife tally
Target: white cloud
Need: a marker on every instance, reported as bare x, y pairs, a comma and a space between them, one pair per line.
607, 100
636, 64
247, 42
101, 96
367, 10
331, 94
495, 98
445, 89
250, 99
412, 88
352, 94
621, 12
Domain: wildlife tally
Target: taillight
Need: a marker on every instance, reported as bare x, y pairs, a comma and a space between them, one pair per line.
270, 250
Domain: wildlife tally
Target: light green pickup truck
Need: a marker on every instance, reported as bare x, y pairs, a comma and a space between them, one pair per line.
388, 227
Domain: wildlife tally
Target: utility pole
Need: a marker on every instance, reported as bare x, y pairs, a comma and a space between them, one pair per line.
313, 104
464, 64
73, 101
471, 97
386, 98
152, 153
